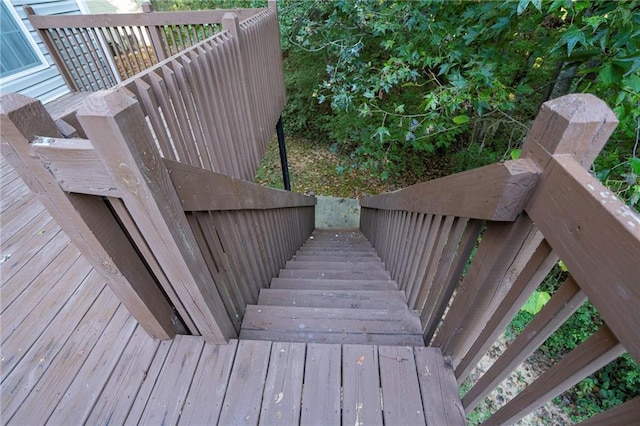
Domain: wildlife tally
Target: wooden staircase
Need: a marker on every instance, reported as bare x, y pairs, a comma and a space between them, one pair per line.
334, 290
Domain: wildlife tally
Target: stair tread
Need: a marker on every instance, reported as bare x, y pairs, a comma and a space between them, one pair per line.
340, 275
340, 338
336, 258
331, 284
336, 266
354, 299
331, 320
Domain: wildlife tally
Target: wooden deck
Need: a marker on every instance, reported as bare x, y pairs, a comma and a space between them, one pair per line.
71, 354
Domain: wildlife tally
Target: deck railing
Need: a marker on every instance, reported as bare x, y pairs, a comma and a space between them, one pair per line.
152, 191
469, 249
98, 51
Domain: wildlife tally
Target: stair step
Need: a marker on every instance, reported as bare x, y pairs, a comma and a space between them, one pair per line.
334, 275
359, 252
370, 299
321, 244
329, 284
336, 258
333, 323
339, 338
334, 266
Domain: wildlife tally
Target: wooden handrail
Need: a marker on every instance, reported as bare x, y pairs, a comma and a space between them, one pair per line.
494, 192
561, 211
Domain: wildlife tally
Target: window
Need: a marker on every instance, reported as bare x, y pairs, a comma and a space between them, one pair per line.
19, 54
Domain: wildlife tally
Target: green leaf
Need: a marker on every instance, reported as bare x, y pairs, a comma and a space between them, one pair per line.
461, 119
572, 37
635, 165
536, 301
522, 6
400, 109
562, 266
515, 154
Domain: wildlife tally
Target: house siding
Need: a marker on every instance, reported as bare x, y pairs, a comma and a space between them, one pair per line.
46, 84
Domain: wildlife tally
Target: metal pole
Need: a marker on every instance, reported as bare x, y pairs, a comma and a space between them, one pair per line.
283, 155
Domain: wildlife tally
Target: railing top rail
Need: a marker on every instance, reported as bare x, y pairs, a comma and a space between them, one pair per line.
199, 17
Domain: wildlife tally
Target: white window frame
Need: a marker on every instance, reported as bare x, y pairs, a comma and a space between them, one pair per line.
43, 61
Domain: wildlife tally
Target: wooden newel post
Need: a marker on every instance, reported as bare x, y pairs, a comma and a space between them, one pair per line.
115, 124
85, 219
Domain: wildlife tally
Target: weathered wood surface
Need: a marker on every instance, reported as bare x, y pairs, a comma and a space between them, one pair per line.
86, 220
203, 190
494, 192
115, 125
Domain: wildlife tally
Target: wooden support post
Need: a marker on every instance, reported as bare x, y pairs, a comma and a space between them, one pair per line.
85, 219
116, 126
154, 33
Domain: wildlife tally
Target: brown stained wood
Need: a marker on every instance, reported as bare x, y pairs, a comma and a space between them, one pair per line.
567, 299
115, 123
529, 279
422, 255
81, 395
375, 321
599, 243
64, 267
282, 396
22, 118
379, 275
495, 265
49, 368
494, 192
203, 190
334, 266
623, 414
243, 398
36, 228
438, 388
118, 394
331, 284
372, 299
596, 352
174, 381
432, 318
361, 385
14, 271
321, 392
147, 99
150, 375
204, 401
75, 165
334, 338
401, 400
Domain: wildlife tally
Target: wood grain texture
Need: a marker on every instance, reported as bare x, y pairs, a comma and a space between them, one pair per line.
438, 388
361, 385
567, 299
494, 192
599, 243
243, 398
282, 397
626, 414
401, 401
22, 118
116, 126
321, 393
594, 353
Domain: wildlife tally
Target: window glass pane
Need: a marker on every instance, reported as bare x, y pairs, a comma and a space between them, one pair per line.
16, 53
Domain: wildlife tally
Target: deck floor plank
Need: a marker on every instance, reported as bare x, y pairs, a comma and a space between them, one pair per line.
30, 355
283, 389
246, 384
78, 400
171, 389
206, 395
441, 402
118, 395
321, 393
361, 385
400, 389
34, 403
19, 271
26, 302
33, 233
148, 383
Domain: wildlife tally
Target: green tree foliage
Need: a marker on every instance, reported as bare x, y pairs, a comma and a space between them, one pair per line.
407, 79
